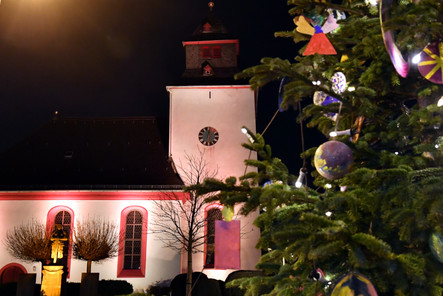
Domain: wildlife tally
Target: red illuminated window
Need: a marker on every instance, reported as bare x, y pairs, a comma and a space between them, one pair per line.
132, 250
206, 52
213, 213
64, 216
216, 52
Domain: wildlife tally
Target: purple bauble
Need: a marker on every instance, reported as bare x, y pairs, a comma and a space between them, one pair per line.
333, 160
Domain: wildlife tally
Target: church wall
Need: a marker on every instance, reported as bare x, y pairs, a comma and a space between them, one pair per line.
227, 109
161, 263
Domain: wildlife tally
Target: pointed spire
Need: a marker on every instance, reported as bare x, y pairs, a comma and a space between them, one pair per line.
209, 26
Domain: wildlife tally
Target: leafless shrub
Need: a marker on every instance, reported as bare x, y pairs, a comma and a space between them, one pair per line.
95, 240
29, 242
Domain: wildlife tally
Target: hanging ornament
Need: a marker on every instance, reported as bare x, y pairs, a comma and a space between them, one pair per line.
436, 246
319, 43
322, 99
354, 284
333, 160
431, 61
228, 213
400, 64
338, 82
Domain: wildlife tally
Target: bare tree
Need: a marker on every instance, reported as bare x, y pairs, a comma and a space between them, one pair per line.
180, 225
29, 242
95, 240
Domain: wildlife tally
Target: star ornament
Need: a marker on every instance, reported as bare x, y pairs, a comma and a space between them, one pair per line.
319, 43
431, 61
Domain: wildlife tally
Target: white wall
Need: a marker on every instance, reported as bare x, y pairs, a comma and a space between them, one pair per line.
227, 108
161, 263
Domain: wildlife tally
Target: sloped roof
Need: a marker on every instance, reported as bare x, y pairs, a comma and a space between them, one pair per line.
93, 153
210, 28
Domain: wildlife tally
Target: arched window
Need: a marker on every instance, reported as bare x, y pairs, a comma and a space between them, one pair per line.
132, 250
64, 216
10, 273
212, 213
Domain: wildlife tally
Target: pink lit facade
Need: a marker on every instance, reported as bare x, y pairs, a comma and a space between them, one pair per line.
156, 263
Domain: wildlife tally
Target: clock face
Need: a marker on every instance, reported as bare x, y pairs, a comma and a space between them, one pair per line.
208, 136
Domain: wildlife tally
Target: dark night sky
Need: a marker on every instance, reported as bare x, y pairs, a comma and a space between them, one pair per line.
115, 57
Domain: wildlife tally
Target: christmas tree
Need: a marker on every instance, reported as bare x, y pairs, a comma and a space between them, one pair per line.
370, 73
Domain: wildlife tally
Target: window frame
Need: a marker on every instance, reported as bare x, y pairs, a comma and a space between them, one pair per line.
121, 272
207, 209
50, 222
216, 52
206, 52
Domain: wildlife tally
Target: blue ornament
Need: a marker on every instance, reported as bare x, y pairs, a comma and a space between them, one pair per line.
323, 99
338, 82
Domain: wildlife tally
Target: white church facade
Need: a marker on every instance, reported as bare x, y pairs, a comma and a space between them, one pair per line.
118, 169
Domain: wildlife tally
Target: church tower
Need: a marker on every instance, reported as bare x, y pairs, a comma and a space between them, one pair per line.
209, 108
207, 112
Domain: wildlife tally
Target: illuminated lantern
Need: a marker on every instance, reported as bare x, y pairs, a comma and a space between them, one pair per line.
333, 159
354, 284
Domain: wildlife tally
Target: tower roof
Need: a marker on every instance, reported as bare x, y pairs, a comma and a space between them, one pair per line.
91, 153
210, 28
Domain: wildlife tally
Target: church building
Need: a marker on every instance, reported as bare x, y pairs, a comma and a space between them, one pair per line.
119, 169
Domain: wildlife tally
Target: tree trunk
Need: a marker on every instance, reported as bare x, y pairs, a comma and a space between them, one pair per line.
88, 266
189, 271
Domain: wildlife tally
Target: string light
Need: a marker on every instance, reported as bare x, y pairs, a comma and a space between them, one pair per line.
340, 133
245, 131
416, 59
301, 177
440, 102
